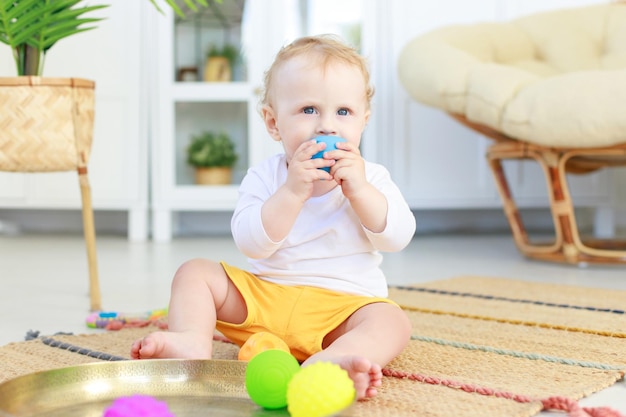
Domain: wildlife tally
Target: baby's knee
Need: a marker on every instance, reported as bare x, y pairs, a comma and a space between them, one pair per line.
405, 324
401, 323
197, 269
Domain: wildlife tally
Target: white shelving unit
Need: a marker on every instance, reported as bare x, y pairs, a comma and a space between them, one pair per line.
184, 108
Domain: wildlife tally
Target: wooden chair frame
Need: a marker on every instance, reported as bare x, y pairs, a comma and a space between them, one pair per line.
568, 246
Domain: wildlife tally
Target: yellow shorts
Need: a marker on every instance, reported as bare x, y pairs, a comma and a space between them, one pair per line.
301, 316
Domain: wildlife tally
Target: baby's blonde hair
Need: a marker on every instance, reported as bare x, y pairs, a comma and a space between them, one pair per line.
329, 48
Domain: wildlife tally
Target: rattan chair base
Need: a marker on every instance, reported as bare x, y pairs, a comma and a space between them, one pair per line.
567, 246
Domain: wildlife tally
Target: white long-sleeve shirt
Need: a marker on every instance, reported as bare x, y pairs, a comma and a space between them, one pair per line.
327, 246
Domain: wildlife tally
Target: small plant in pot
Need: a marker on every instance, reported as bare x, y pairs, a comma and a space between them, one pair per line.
213, 155
220, 63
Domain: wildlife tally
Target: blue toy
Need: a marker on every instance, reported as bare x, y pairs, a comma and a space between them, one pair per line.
330, 142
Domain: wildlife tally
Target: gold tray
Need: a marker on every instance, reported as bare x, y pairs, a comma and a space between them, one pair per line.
190, 388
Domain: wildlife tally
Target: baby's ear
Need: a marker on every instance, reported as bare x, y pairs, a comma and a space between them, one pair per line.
269, 117
368, 113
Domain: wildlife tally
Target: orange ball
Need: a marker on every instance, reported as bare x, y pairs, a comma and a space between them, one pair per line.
260, 342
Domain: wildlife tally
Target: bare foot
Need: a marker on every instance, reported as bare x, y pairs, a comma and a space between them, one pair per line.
182, 345
365, 375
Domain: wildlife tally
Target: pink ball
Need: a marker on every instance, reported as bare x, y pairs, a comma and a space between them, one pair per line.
138, 406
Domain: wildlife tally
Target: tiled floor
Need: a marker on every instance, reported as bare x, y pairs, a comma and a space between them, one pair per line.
43, 279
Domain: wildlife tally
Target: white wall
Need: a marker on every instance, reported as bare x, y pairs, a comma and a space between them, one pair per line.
389, 25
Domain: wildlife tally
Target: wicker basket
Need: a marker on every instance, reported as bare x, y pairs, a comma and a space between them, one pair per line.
46, 124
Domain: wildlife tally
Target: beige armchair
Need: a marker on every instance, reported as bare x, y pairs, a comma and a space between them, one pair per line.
550, 87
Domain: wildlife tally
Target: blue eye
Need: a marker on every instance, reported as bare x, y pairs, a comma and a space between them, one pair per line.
308, 110
342, 112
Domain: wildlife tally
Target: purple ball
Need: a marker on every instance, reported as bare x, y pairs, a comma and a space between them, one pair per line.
138, 406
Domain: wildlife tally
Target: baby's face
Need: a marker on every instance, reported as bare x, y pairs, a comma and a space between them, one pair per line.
310, 100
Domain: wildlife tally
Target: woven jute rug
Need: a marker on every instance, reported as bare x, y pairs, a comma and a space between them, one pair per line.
480, 347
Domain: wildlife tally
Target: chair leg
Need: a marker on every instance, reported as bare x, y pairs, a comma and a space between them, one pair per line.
561, 205
568, 246
520, 236
591, 250
510, 208
90, 240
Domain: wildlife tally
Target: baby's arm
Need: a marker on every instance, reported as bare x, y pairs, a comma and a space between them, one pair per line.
279, 213
264, 215
281, 209
387, 219
246, 225
400, 222
371, 207
369, 203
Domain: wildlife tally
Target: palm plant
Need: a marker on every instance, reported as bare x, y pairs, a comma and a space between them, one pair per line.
190, 3
31, 27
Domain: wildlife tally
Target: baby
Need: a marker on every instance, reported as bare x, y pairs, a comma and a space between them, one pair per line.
313, 238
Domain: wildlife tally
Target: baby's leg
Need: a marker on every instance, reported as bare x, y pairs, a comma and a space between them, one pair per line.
363, 344
201, 294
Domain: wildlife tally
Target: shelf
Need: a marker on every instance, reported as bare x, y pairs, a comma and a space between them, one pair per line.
188, 108
193, 117
204, 197
208, 92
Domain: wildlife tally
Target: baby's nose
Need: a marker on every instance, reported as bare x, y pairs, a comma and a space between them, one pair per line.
326, 127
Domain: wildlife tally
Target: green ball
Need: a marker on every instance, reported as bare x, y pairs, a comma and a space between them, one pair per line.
267, 377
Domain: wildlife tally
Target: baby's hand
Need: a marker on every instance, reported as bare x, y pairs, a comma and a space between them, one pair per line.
349, 168
303, 171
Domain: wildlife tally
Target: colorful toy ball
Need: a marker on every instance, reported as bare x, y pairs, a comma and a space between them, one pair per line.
260, 342
267, 377
138, 406
320, 389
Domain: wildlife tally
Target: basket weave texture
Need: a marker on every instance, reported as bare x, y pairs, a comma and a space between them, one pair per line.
46, 124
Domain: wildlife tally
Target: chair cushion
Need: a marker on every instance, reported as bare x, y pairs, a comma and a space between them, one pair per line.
555, 79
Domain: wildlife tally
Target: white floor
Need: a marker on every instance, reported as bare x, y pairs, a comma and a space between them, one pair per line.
43, 279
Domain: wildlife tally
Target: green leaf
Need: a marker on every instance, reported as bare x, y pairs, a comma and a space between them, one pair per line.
192, 4
210, 149
41, 23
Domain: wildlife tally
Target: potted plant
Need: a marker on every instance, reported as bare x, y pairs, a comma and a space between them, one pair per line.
220, 63
213, 155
